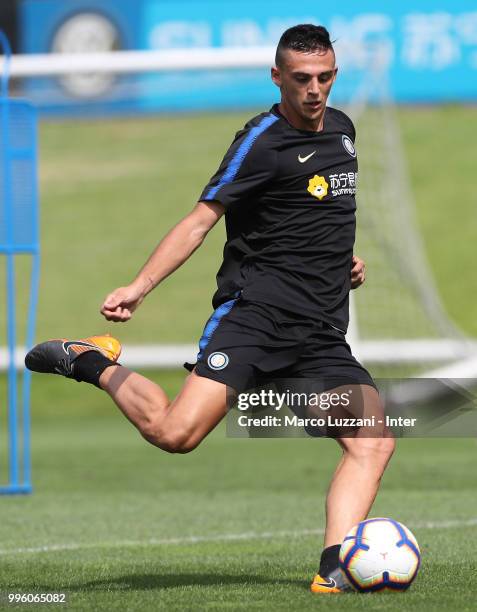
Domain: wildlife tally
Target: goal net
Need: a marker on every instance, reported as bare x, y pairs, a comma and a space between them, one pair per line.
399, 317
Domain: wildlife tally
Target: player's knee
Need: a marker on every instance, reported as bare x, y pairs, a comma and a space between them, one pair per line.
186, 445
178, 441
381, 448
384, 449
387, 446
376, 451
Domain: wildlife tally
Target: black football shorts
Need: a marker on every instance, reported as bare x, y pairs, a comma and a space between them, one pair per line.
248, 344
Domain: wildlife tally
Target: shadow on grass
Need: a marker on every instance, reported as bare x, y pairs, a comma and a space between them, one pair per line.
144, 582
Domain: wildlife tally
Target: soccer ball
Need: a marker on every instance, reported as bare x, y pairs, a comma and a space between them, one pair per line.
380, 554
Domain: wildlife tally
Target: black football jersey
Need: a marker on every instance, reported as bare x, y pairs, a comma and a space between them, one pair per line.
290, 206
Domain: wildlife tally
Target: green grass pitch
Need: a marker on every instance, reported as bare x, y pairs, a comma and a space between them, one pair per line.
236, 525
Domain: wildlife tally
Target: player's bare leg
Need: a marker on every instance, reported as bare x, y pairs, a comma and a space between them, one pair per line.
175, 426
353, 487
357, 477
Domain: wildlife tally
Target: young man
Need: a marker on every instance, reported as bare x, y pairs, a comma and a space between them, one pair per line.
286, 186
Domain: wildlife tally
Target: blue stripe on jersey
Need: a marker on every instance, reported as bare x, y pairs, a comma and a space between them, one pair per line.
213, 323
240, 154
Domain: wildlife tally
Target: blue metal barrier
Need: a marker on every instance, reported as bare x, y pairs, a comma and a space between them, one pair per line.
19, 234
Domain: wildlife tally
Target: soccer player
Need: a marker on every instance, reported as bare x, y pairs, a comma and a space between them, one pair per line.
286, 187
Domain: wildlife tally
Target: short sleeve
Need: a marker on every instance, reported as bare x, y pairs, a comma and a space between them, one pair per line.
353, 130
247, 167
350, 129
343, 122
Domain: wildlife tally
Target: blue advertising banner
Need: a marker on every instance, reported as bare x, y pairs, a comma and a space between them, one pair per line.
81, 26
428, 50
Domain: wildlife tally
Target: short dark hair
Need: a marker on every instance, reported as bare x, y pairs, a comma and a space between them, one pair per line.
305, 38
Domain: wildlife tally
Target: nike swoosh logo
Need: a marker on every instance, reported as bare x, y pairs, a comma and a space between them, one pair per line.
66, 345
331, 583
302, 160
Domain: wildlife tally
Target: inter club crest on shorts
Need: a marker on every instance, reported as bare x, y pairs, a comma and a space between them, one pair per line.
218, 361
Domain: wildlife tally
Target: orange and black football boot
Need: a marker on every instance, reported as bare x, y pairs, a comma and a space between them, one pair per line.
58, 356
334, 582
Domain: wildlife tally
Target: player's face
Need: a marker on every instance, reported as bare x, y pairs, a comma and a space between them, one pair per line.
305, 81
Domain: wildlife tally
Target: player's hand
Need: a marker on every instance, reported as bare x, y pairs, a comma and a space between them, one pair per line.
358, 272
121, 303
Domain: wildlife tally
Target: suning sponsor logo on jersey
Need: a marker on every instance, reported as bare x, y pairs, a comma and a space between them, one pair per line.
318, 186
343, 183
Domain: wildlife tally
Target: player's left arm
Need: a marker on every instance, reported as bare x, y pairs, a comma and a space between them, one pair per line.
358, 267
358, 272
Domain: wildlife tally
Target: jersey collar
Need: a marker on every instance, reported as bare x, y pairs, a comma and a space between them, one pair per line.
276, 111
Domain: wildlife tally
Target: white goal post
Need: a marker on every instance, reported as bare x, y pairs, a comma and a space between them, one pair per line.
127, 62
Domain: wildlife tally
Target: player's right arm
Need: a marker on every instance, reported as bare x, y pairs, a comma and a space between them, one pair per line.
248, 165
173, 250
